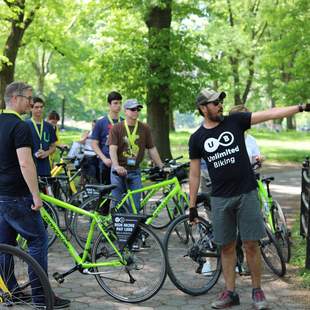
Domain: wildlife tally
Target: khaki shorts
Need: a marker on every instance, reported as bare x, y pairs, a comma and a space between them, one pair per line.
241, 213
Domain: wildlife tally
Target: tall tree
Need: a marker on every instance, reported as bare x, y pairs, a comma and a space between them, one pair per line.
19, 21
158, 21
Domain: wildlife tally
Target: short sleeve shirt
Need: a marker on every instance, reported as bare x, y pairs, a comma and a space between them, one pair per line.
252, 148
48, 138
101, 134
14, 134
223, 148
118, 136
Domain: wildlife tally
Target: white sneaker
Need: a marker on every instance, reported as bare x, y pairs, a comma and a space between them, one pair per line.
207, 269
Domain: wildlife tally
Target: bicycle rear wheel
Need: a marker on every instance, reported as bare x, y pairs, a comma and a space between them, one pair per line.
23, 283
146, 268
194, 264
281, 232
272, 254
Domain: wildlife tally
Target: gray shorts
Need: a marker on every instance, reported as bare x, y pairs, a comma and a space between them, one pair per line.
242, 212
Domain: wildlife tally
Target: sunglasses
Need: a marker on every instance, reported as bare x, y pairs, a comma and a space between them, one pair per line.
135, 109
215, 102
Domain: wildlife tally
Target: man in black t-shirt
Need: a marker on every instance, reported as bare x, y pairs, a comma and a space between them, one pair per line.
19, 194
220, 142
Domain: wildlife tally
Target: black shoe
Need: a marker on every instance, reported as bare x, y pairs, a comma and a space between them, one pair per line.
60, 303
20, 297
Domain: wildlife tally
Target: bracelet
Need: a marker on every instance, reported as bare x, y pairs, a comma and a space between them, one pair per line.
300, 108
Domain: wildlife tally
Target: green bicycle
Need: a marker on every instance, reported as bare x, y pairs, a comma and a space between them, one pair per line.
173, 203
273, 214
131, 269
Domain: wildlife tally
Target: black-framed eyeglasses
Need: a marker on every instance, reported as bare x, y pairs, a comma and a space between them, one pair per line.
135, 109
28, 98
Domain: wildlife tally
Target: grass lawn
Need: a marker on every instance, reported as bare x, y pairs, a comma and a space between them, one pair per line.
299, 257
285, 146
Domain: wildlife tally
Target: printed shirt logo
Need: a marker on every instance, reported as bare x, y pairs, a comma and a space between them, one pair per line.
222, 158
225, 139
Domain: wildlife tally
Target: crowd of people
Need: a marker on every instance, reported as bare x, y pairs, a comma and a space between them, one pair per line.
115, 147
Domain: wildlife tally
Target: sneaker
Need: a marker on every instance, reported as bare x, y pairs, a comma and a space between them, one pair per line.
259, 299
226, 299
207, 269
20, 297
60, 303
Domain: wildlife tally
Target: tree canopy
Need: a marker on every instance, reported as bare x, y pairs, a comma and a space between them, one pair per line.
161, 52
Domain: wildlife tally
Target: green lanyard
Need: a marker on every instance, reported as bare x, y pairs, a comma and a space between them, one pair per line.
111, 120
132, 138
40, 133
12, 112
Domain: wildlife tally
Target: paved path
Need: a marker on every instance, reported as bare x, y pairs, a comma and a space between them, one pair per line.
281, 293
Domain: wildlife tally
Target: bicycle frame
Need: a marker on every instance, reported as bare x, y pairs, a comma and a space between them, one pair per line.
57, 171
266, 202
4, 288
152, 190
97, 220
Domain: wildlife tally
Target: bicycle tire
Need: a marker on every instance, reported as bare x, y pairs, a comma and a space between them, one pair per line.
148, 266
173, 209
187, 257
53, 213
81, 224
282, 234
24, 266
76, 200
272, 254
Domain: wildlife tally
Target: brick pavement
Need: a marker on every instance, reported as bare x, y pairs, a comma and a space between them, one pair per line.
283, 294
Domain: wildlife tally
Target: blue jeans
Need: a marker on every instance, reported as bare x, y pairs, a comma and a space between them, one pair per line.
17, 217
132, 181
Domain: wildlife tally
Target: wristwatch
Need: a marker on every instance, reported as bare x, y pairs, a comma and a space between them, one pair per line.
300, 107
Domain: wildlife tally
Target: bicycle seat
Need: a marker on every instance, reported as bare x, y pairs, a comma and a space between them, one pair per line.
268, 180
103, 189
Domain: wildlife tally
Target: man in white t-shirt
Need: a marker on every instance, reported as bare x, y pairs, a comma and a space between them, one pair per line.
250, 142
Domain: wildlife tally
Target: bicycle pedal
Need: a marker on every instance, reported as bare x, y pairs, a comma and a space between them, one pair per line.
58, 277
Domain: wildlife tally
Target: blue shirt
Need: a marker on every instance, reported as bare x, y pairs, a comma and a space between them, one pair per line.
48, 138
101, 133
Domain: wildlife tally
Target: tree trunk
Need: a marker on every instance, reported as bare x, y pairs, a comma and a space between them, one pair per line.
290, 123
171, 121
158, 22
12, 44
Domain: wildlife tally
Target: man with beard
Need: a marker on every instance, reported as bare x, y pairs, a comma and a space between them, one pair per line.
235, 205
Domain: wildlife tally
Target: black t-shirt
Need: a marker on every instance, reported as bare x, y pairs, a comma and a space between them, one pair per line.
223, 148
14, 134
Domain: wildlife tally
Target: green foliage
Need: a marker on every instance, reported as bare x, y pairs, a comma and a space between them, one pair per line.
82, 50
299, 254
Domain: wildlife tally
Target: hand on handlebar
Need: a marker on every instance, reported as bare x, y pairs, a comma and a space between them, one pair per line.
121, 171
193, 215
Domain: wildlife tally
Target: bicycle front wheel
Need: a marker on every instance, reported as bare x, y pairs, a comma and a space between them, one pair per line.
281, 232
194, 264
272, 254
143, 275
23, 283
173, 209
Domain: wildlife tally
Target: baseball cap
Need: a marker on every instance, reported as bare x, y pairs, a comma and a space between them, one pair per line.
209, 95
132, 103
